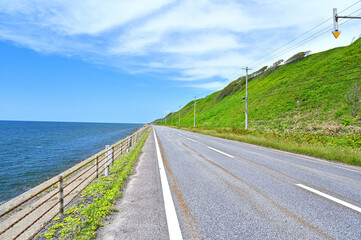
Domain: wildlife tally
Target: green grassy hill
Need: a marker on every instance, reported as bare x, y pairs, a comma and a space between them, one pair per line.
302, 100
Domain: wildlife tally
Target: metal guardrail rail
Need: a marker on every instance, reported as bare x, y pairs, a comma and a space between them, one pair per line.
26, 215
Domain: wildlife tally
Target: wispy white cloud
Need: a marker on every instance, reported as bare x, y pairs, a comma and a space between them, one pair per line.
199, 15
198, 44
215, 86
70, 17
128, 44
195, 40
203, 67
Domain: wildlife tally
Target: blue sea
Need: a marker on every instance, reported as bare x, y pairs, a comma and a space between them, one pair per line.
32, 152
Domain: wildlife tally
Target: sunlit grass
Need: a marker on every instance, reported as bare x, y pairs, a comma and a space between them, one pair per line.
96, 201
299, 107
336, 153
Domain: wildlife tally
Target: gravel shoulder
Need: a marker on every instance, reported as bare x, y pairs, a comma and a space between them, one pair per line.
140, 212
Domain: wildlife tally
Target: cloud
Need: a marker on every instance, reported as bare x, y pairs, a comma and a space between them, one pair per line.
70, 17
199, 15
191, 40
215, 86
131, 45
198, 44
220, 64
188, 27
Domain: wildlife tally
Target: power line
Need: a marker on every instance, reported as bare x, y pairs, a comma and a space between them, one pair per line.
315, 79
350, 6
310, 37
305, 82
308, 88
289, 42
304, 41
298, 44
322, 77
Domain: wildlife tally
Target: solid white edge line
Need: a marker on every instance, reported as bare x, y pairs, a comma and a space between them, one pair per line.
190, 139
172, 219
226, 154
346, 204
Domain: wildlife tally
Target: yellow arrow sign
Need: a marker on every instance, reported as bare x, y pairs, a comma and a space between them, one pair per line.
336, 34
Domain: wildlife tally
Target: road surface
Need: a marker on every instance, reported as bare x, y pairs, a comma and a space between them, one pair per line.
223, 189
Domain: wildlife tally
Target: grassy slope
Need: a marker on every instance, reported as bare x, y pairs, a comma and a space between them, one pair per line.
97, 201
298, 101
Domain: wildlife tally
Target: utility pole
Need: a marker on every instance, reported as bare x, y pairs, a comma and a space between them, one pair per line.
179, 115
336, 32
246, 119
194, 123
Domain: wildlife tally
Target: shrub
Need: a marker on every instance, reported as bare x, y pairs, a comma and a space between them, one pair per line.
297, 57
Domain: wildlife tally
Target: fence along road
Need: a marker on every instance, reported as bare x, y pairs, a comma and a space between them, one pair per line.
26, 215
224, 189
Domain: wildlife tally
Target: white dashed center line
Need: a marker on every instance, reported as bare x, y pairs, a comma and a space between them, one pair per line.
346, 204
219, 151
190, 139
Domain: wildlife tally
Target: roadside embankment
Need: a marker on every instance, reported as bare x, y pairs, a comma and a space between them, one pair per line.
27, 215
97, 201
347, 155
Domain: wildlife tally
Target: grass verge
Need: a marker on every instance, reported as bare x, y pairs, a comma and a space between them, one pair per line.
97, 201
337, 153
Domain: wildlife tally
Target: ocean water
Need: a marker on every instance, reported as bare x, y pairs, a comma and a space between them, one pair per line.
32, 152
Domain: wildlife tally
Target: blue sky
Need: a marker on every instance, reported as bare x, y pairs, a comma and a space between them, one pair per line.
134, 61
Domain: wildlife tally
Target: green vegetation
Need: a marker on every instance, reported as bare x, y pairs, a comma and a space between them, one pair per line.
304, 102
302, 146
83, 219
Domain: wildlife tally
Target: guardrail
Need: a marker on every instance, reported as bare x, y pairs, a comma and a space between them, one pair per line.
25, 216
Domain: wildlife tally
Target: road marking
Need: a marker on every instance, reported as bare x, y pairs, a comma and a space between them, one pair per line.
346, 204
179, 134
300, 157
190, 139
226, 154
172, 219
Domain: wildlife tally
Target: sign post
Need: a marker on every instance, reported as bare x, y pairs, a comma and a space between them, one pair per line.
336, 33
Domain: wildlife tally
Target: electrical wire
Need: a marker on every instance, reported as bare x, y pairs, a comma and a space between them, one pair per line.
302, 82
302, 89
345, 72
298, 44
308, 39
302, 35
305, 82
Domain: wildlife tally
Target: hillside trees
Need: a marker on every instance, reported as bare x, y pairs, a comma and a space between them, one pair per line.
297, 57
273, 68
259, 72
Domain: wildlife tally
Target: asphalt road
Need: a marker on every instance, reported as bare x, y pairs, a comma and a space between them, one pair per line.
224, 189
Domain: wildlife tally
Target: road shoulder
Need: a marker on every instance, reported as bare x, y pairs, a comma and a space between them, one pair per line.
141, 209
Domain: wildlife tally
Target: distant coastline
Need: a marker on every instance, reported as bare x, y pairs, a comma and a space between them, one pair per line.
33, 151
50, 121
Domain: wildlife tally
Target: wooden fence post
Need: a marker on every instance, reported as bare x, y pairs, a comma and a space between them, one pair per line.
121, 147
128, 143
61, 195
113, 155
107, 147
97, 165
